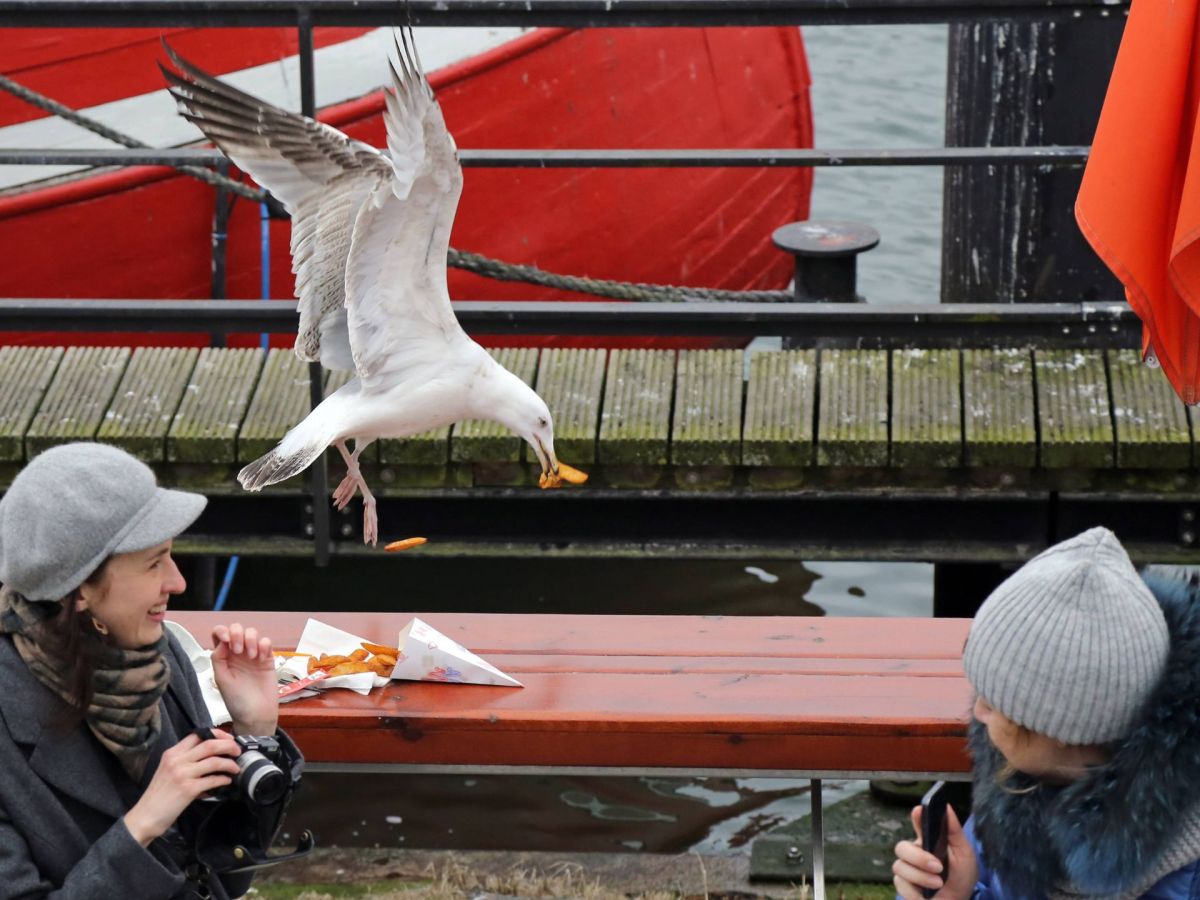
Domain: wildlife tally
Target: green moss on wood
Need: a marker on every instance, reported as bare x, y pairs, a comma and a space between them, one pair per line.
780, 400
706, 429
998, 416
205, 426
1074, 422
635, 423
570, 381
77, 398
1150, 420
26, 373
144, 406
852, 421
926, 408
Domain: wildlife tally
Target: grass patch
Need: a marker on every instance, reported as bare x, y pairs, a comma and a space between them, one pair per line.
454, 882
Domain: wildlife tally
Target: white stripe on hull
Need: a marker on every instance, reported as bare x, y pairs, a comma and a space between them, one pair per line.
343, 71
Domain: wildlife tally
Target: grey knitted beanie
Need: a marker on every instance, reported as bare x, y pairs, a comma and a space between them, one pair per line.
74, 506
1071, 644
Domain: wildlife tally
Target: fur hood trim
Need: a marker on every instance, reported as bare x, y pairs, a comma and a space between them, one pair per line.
1111, 831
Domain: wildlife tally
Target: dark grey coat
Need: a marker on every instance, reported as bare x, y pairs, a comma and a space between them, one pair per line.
62, 835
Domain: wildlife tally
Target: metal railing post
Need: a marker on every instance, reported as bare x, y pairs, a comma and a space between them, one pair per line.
818, 840
220, 239
319, 481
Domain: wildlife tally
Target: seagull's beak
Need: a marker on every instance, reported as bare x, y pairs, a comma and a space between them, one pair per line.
546, 457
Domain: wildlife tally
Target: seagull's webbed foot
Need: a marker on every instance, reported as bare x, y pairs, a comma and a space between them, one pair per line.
370, 519
344, 492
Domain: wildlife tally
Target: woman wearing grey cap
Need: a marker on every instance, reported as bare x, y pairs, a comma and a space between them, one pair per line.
98, 703
1085, 740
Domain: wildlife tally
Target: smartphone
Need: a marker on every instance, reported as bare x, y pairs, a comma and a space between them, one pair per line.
933, 826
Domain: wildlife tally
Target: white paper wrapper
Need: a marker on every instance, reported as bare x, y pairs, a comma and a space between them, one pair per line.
428, 655
318, 638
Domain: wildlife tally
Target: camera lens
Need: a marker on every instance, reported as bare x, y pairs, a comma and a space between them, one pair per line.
260, 779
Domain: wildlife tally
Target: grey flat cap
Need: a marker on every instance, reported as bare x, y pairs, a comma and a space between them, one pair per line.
1071, 644
74, 506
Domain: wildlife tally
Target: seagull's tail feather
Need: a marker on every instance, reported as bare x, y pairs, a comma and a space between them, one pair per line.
291, 456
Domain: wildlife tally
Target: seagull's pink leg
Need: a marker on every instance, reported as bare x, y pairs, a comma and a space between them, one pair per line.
370, 519
344, 492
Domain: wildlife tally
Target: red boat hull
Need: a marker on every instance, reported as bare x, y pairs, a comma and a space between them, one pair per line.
146, 232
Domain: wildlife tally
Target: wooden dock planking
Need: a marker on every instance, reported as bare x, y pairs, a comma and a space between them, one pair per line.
280, 400
479, 441
999, 425
144, 406
1074, 418
205, 427
852, 424
926, 408
26, 373
571, 382
1151, 421
707, 426
635, 423
780, 402
635, 414
77, 398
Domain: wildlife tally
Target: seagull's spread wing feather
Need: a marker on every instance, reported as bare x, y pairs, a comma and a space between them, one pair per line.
398, 307
323, 178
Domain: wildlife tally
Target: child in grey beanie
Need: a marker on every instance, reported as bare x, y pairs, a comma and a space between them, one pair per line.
1085, 740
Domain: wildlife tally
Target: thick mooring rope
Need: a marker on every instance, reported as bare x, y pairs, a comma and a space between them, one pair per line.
459, 259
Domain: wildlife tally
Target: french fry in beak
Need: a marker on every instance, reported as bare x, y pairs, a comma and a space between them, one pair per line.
406, 544
570, 474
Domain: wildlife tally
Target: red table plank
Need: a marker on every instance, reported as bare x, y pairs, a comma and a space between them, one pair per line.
652, 691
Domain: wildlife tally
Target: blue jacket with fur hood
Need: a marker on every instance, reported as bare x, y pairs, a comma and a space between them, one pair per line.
1131, 828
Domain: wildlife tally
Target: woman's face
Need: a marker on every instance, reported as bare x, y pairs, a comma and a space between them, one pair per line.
1035, 754
130, 599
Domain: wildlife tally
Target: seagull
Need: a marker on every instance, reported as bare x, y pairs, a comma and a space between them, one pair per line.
370, 232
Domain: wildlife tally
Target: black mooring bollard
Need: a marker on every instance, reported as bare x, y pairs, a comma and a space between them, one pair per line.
826, 257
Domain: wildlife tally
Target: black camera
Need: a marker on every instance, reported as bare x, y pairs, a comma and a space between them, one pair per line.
259, 778
233, 828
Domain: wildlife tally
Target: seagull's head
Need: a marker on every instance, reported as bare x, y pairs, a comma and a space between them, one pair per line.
505, 398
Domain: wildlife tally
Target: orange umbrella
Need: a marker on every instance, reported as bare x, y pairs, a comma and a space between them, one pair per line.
1139, 205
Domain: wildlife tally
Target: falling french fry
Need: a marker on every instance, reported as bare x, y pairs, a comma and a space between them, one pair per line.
406, 544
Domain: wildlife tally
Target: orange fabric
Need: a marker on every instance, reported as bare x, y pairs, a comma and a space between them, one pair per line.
1139, 205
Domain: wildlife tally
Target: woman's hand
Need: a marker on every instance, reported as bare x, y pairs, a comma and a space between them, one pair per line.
190, 768
245, 673
915, 868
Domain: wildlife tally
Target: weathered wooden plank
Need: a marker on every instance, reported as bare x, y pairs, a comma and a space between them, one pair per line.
999, 424
429, 448
780, 400
706, 429
1074, 423
150, 392
484, 441
26, 373
280, 401
926, 408
204, 429
571, 381
74, 405
1150, 420
852, 422
635, 424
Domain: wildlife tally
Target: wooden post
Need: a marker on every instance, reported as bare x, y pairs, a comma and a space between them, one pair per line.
1009, 232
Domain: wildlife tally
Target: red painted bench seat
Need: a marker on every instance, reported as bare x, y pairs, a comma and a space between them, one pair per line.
797, 694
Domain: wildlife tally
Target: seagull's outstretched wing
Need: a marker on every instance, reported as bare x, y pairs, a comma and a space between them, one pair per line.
396, 297
322, 176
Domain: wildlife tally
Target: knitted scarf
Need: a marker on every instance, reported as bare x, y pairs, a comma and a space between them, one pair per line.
127, 684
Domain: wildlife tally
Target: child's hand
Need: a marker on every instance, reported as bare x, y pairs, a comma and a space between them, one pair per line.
916, 869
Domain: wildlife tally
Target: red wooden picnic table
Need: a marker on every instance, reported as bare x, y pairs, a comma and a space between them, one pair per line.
802, 695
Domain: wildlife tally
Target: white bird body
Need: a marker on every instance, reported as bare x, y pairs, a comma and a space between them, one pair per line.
370, 233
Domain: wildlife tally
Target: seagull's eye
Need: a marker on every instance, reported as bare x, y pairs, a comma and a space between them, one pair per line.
542, 423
